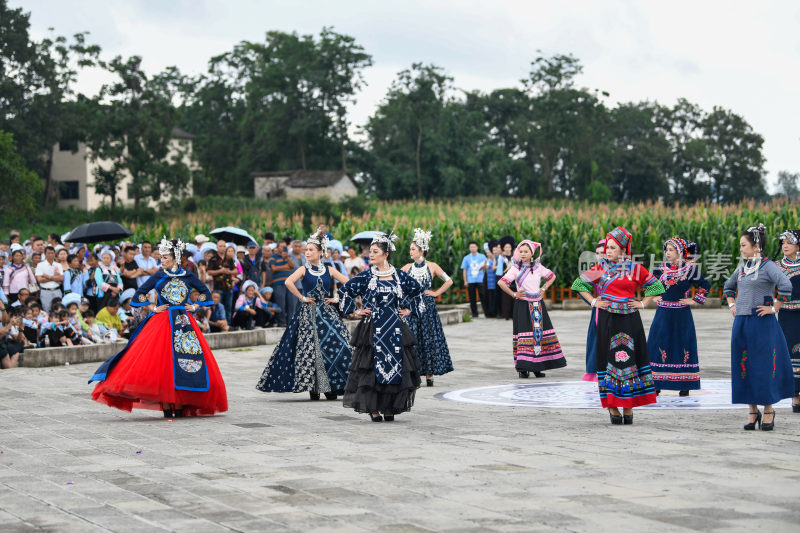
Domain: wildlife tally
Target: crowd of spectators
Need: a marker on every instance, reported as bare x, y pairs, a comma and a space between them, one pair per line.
60, 294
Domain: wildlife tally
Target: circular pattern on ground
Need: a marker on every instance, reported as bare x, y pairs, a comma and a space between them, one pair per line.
715, 394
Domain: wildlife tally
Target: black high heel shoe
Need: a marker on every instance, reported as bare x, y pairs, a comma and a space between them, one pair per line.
683, 393
539, 374
615, 419
314, 395
429, 382
750, 426
331, 395
524, 374
796, 406
771, 425
627, 419
388, 418
168, 413
375, 418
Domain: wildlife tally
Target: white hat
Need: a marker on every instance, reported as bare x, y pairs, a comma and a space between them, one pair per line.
71, 298
126, 295
200, 239
14, 247
241, 248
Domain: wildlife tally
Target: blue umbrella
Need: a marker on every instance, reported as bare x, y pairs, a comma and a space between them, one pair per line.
234, 235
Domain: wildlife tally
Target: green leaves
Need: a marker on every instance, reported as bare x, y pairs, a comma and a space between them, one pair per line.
19, 187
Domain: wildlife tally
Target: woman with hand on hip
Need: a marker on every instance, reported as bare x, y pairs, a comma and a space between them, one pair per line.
314, 352
623, 365
431, 347
789, 317
761, 371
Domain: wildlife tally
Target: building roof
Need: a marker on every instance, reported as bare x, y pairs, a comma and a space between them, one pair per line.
181, 134
307, 179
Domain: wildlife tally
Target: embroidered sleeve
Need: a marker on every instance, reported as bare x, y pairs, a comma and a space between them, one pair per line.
511, 275
731, 284
653, 288
140, 296
351, 290
581, 285
702, 285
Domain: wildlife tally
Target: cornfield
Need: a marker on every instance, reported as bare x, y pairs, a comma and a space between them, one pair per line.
565, 229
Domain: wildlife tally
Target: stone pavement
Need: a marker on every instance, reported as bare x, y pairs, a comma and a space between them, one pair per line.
282, 463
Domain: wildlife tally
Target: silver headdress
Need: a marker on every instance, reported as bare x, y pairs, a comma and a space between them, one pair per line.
165, 247
321, 242
793, 236
422, 239
388, 239
756, 232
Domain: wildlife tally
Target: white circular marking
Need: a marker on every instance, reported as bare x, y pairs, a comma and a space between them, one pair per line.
715, 394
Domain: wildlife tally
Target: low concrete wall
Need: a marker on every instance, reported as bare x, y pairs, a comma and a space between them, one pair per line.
217, 341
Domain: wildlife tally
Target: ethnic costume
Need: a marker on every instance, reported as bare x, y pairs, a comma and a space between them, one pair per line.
672, 342
167, 359
431, 347
591, 338
789, 316
314, 352
535, 344
761, 370
623, 366
384, 374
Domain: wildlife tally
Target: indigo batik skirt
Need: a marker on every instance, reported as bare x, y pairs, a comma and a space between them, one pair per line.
535, 344
790, 324
673, 350
761, 371
624, 375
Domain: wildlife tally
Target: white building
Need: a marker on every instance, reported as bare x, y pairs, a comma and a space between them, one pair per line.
73, 175
300, 184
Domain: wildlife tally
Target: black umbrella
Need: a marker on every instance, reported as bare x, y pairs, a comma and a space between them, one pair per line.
98, 232
234, 235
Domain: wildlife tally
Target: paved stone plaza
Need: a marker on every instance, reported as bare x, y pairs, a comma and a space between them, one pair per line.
282, 463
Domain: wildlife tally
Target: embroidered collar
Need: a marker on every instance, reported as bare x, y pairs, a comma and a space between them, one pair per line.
179, 272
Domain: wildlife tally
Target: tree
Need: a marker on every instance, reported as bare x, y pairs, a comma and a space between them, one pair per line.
789, 184
132, 133
275, 105
37, 101
737, 162
19, 187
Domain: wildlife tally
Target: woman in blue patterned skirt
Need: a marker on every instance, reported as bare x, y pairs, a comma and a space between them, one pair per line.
384, 374
789, 316
431, 347
761, 371
314, 352
672, 342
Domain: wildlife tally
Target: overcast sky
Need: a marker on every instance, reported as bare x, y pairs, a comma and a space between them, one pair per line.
741, 55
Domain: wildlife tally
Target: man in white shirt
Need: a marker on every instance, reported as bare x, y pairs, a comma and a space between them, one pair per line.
146, 262
50, 277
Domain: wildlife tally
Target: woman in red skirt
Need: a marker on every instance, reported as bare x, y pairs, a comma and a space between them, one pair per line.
167, 364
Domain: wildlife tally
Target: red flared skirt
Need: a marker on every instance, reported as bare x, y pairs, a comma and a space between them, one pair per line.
143, 377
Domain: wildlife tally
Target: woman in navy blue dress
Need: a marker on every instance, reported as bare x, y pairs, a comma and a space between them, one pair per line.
314, 352
789, 316
672, 342
431, 347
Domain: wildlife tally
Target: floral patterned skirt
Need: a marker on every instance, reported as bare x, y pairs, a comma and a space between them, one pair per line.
624, 375
761, 371
672, 345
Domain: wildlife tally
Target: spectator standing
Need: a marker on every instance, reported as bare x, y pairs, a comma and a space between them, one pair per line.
146, 262
253, 265
73, 276
282, 266
223, 270
108, 282
353, 261
50, 277
472, 267
131, 270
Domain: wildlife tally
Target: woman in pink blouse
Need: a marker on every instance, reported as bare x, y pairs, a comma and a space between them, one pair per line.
18, 275
536, 346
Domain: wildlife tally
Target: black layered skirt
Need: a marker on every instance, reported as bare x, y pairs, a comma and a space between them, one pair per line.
362, 392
